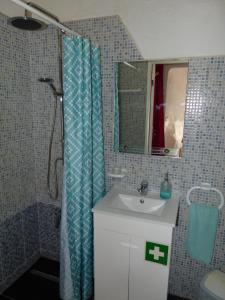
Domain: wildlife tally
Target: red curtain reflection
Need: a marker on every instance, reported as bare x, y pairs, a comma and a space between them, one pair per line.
158, 138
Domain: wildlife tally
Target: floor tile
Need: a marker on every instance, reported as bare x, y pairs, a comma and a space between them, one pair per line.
47, 266
33, 287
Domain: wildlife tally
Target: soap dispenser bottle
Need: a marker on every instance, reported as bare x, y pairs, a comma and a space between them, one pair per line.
166, 188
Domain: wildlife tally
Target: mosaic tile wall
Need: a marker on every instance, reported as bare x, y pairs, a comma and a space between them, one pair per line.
16, 144
19, 240
43, 47
19, 245
49, 230
44, 63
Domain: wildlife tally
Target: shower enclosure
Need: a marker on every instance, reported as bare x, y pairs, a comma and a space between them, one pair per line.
38, 80
31, 151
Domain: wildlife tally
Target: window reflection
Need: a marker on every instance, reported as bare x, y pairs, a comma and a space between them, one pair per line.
169, 84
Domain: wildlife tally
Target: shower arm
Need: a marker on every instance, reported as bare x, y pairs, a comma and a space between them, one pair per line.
44, 11
45, 16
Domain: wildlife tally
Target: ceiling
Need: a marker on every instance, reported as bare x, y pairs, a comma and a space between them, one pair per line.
160, 28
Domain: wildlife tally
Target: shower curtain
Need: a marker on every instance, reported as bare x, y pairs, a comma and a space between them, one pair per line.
84, 182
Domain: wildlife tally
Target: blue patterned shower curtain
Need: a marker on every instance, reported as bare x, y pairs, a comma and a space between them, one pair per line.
84, 182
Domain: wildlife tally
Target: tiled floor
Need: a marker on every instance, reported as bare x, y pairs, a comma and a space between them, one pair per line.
41, 282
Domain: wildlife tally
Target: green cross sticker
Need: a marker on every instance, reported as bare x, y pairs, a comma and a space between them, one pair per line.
157, 253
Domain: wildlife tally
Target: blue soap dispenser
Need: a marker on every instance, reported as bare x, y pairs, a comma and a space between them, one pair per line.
166, 188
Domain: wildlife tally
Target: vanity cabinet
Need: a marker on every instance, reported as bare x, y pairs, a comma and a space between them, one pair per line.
132, 257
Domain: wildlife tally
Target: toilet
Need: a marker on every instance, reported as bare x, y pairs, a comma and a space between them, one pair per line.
212, 286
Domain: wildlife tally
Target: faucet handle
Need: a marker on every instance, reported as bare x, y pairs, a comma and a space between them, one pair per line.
143, 188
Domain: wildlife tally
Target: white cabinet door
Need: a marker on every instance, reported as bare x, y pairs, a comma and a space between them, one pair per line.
148, 280
111, 252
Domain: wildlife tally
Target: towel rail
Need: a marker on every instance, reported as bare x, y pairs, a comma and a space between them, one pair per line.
205, 187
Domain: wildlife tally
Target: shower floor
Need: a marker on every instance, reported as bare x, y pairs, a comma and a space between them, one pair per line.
41, 282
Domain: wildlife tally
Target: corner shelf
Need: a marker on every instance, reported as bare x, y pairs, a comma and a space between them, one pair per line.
120, 174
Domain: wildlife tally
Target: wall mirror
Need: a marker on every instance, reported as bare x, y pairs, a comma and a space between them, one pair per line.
150, 106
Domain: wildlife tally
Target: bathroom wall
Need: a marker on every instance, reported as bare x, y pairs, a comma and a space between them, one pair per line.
43, 53
43, 47
16, 157
19, 245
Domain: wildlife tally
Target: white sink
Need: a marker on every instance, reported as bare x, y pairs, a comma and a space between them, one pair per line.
142, 204
128, 203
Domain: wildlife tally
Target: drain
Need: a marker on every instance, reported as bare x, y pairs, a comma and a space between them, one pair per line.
142, 201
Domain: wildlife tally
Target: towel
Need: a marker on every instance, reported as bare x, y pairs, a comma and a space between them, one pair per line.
201, 234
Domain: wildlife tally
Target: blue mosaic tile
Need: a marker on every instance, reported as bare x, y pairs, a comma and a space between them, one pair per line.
1, 270
17, 187
31, 230
12, 244
49, 230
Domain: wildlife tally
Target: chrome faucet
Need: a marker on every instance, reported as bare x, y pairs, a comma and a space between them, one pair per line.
143, 190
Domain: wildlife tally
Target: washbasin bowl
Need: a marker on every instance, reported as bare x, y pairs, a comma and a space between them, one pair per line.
142, 204
128, 204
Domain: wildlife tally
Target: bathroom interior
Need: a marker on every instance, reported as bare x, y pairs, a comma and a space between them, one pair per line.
112, 157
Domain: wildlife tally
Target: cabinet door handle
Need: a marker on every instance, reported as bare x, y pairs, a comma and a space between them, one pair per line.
128, 245
134, 246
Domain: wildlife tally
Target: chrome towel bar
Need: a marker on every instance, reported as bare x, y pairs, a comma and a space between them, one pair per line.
205, 187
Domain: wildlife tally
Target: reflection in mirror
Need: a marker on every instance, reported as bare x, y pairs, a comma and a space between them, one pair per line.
150, 106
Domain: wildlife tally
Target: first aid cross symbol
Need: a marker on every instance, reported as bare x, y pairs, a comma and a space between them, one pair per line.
156, 253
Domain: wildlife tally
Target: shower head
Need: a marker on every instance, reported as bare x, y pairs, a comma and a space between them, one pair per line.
27, 22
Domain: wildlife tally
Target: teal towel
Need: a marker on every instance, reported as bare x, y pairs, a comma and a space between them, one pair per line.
201, 234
